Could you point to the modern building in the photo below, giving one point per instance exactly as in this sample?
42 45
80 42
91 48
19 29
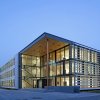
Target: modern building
52 61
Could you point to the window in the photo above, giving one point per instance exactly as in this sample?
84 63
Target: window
52 58
37 61
85 55
51 72
62 54
43 71
54 69
58 81
62 68
88 55
64 81
72 51
76 52
58 69
72 66
66 67
67 52
38 71
45 60
58 56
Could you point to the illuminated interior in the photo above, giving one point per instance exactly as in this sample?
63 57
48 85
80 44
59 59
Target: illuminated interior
52 61
34 64
68 65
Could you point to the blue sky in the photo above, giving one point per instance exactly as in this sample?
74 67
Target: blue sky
22 21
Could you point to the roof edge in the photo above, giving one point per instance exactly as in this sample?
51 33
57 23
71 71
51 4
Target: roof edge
45 34
33 42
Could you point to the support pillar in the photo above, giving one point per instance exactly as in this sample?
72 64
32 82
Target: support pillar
47 63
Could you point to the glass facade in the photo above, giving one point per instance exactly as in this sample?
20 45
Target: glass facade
58 67
35 68
86 67
30 71
7 73
68 66
52 61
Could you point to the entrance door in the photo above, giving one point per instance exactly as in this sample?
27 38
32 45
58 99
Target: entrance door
34 84
58 81
41 83
65 81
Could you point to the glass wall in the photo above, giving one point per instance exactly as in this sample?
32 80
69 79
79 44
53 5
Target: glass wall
35 68
84 54
64 81
56 60
8 83
58 55
67 52
30 70
85 65
58 67
7 65
62 53
7 74
58 81
66 68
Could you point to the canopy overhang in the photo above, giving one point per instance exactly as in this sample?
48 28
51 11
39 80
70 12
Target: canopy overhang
38 46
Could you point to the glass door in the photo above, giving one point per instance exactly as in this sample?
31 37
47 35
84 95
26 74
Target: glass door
58 81
34 84
64 81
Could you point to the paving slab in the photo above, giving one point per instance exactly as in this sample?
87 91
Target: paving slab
41 94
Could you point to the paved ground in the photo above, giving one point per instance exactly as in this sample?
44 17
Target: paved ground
40 94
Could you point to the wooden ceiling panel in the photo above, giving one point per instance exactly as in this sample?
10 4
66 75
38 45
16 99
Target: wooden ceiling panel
39 48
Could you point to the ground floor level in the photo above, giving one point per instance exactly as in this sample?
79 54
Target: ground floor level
68 80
